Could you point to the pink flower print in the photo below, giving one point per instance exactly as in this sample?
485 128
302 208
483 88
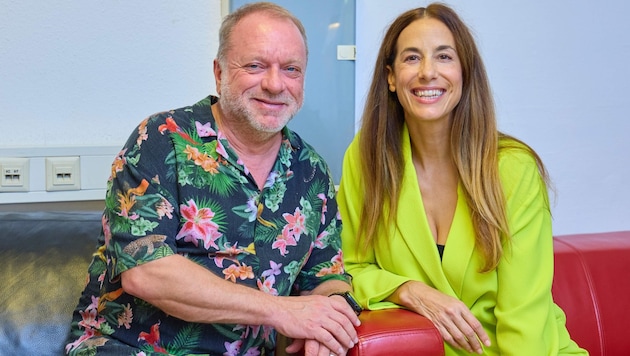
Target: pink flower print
90 319
94 303
284 240
255 329
101 278
228 253
336 268
232 349
218 259
319 241
164 208
267 285
198 225
273 271
88 333
322 196
296 223
338 258
204 130
252 351
267 332
221 150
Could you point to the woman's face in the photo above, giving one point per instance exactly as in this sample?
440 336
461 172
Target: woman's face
426 74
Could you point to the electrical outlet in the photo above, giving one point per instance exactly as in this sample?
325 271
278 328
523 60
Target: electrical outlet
14 176
63 173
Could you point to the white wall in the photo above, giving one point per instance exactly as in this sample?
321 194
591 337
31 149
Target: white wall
77 76
559 71
85 72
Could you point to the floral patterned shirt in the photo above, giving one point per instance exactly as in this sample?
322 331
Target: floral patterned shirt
177 187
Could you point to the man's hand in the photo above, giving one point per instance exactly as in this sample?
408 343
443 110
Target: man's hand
320 324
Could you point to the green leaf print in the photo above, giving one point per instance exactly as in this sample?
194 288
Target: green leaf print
139 227
275 195
185 341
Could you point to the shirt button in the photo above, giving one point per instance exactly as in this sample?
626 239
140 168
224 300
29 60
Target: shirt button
260 243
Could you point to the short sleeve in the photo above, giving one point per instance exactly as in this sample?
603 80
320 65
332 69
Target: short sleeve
141 218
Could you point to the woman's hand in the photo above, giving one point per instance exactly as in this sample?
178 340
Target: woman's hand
457 325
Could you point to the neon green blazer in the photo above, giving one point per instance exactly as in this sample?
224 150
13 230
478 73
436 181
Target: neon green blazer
513 302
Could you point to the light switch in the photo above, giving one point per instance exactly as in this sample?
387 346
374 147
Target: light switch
346 52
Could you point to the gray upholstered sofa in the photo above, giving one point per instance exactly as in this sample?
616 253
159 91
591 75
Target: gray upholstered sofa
43 259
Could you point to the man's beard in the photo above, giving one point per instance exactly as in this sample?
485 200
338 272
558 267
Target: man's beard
235 107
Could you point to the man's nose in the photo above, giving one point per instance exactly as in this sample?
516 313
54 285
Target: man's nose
272 82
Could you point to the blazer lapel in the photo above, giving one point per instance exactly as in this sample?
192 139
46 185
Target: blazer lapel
460 245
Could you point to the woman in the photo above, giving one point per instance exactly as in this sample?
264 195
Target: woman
444 215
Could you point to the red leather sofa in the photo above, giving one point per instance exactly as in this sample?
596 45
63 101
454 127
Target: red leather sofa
591 284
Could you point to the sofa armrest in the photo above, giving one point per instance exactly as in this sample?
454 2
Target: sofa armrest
396 332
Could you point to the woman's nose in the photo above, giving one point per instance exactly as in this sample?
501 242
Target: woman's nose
427 69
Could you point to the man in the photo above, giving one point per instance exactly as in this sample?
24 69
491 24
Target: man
221 225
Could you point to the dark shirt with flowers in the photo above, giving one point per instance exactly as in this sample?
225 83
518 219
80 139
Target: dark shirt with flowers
177 187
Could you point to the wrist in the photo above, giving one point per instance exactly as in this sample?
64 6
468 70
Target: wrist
350 299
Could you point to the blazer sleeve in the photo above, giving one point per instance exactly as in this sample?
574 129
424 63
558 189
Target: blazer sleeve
371 283
525 273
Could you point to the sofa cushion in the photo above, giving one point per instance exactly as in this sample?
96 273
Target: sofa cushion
43 262
396 332
591 284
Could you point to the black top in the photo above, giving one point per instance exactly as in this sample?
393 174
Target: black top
440 250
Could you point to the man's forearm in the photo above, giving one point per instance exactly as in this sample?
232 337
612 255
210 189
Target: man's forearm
192 293
329 287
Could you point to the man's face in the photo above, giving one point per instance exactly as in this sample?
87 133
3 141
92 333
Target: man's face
262 80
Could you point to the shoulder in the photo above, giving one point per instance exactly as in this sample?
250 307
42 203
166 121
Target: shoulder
305 150
183 117
519 170
353 150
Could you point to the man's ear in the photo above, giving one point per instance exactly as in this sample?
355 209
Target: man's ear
217 76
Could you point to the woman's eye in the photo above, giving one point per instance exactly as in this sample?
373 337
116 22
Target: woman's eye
412 58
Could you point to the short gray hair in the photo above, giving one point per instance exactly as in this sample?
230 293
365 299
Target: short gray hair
268 8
